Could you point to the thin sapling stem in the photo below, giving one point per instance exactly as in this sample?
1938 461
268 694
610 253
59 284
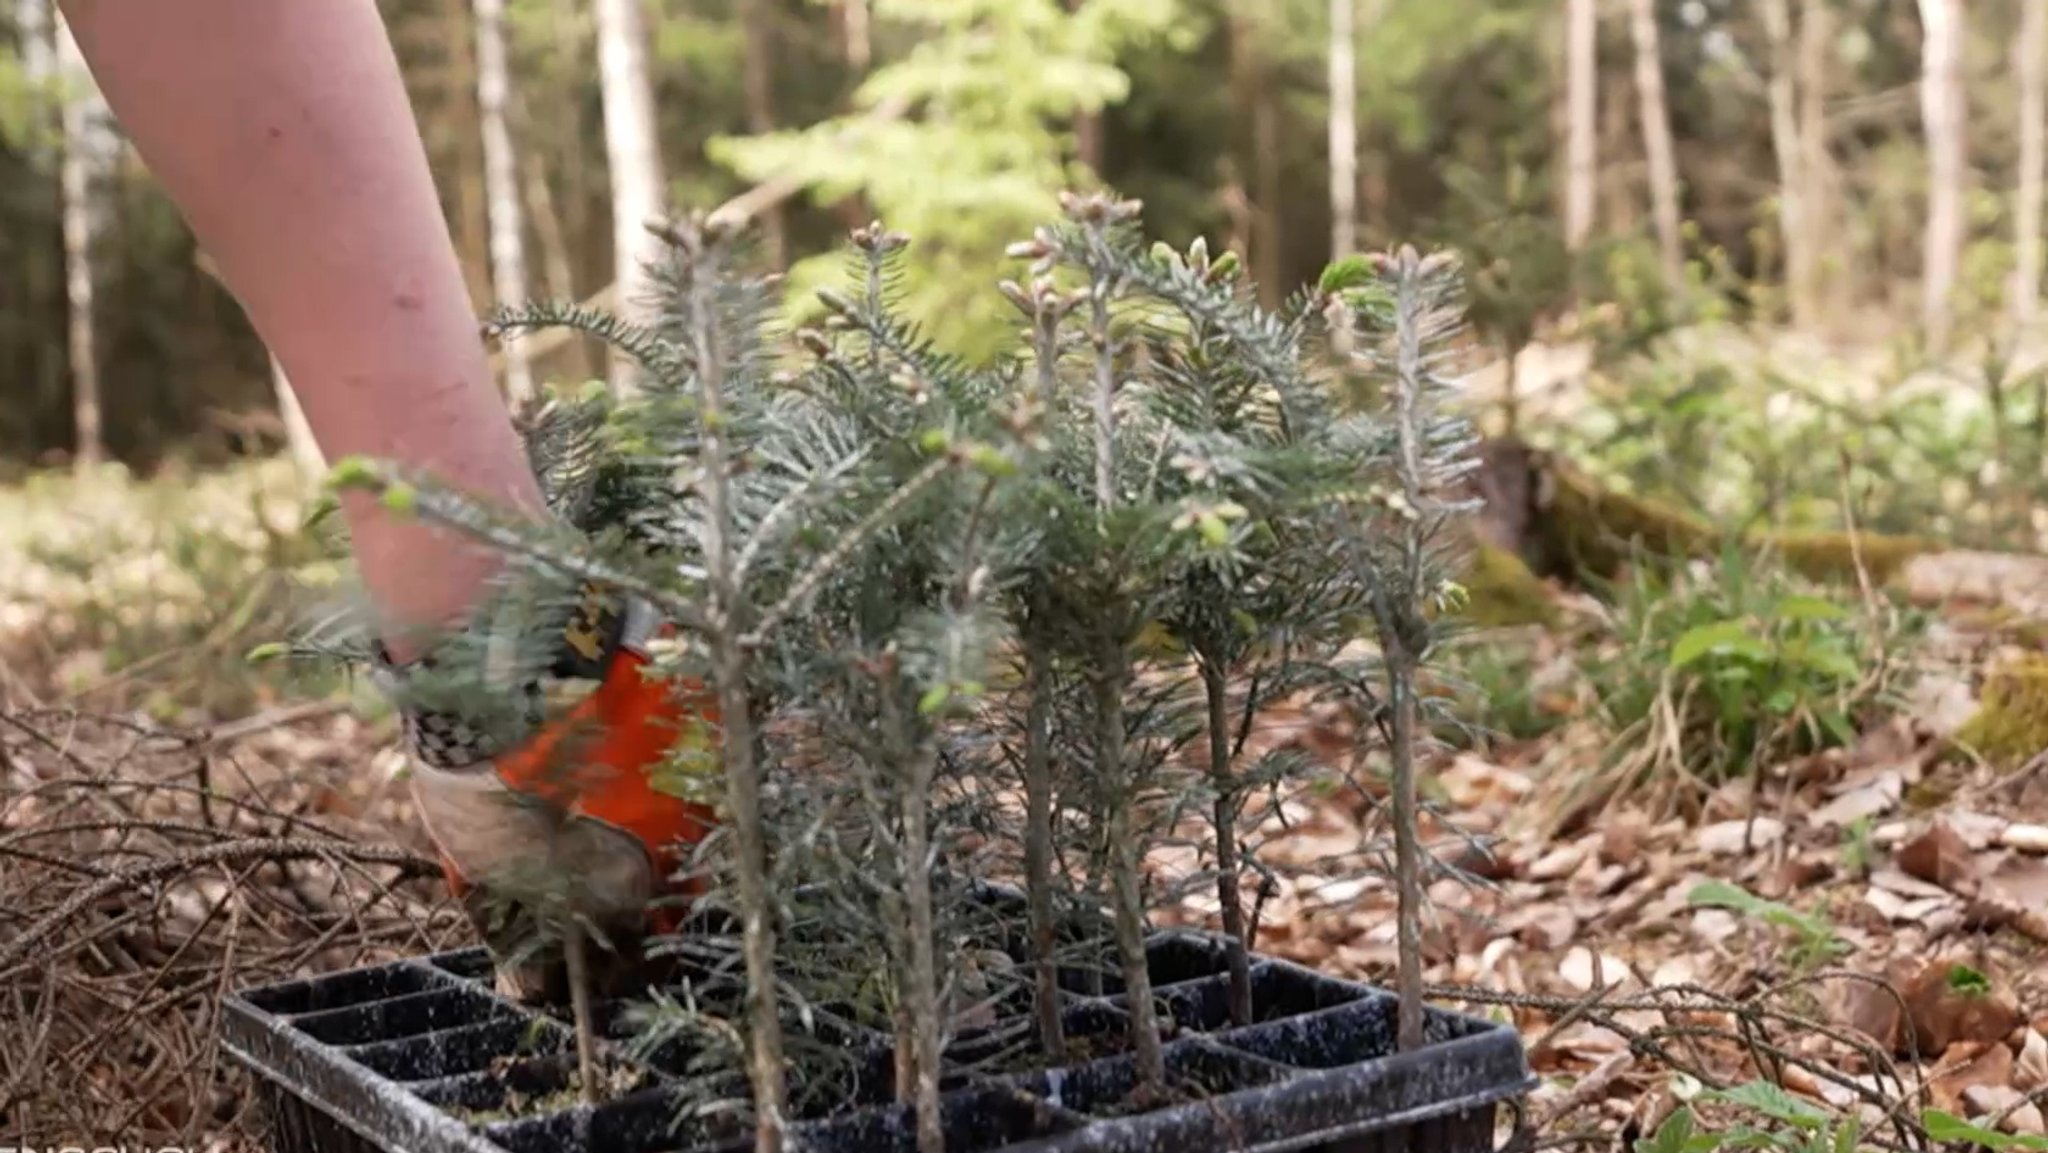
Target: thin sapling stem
1229 892
742 780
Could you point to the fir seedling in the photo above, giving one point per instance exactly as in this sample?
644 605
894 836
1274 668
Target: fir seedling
906 580
1404 542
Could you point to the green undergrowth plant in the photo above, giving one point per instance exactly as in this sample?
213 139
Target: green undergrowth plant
979 628
1760 1115
120 592
1721 670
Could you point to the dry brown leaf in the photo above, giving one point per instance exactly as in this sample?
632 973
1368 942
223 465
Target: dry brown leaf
1942 702
2030 1069
1881 795
1470 782
1725 839
1942 1015
1582 972
1713 926
1876 1011
1679 970
1557 864
1939 855
1547 927
2021 881
1621 839
1587 1042
1892 880
1980 831
2025 838
1983 1100
1903 911
1989 1069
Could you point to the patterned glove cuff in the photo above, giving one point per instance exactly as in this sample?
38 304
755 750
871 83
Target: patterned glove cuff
490 699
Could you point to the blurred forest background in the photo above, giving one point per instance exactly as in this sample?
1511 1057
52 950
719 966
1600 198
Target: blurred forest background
1755 219
1755 278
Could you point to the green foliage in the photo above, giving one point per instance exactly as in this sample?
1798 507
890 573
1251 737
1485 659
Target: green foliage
1947 1127
1741 666
994 85
857 542
148 594
1505 687
1522 273
1813 939
1764 1116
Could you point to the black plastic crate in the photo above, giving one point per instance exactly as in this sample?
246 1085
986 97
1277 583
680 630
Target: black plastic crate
420 1056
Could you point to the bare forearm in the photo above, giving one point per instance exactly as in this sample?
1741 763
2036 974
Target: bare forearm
283 133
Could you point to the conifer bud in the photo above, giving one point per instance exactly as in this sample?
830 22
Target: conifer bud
838 302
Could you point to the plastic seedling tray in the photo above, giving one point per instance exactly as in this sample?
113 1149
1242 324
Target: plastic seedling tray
421 1056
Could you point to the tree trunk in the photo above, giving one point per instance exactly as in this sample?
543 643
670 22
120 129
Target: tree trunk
1087 126
1251 91
32 25
1657 147
857 50
1343 128
759 80
1941 111
1791 178
474 238
633 159
1582 159
85 130
2031 64
855 46
557 269
501 184
1816 162
1617 204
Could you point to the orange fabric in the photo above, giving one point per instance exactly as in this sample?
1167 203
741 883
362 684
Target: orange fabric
597 761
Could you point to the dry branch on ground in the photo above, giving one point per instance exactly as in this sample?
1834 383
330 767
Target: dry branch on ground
146 873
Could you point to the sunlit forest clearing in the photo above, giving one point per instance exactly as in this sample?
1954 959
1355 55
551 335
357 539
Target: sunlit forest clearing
1733 754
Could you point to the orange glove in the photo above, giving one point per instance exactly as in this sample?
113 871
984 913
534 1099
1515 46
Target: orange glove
568 813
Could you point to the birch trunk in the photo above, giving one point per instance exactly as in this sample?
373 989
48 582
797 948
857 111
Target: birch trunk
854 36
86 132
501 184
633 159
2031 65
1655 117
1941 111
1343 127
1816 162
1791 177
1582 156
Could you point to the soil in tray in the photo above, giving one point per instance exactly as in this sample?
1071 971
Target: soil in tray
1195 1072
513 1088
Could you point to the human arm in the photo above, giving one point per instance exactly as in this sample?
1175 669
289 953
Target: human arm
282 132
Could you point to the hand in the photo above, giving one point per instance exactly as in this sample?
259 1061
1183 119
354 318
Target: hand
567 820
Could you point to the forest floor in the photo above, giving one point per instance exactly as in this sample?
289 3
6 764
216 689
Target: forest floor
1865 938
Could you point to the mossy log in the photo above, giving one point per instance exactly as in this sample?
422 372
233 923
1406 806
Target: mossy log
1565 526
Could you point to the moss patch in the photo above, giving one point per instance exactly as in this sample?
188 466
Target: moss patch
1503 592
2012 721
